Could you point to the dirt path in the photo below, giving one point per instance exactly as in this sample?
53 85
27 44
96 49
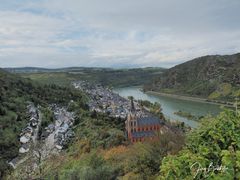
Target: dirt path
35 136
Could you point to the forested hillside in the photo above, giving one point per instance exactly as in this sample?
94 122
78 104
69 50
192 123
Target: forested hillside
15 92
213 77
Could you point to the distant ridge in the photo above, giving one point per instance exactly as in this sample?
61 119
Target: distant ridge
38 69
68 69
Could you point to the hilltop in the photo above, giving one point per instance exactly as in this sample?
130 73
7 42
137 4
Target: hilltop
41 70
214 77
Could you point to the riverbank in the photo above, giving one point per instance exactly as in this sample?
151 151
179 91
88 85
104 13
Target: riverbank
189 98
188 115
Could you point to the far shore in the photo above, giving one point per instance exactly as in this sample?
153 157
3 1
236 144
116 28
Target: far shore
189 98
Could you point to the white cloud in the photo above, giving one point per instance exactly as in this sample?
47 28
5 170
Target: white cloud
60 33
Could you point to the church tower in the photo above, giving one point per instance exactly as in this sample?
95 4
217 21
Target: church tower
131 122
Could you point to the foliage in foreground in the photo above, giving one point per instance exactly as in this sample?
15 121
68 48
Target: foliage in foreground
215 145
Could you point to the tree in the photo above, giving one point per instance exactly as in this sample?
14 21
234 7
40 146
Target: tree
2 111
215 145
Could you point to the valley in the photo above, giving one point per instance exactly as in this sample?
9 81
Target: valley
66 120
119 90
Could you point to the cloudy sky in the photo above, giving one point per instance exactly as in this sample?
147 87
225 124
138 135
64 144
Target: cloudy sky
115 33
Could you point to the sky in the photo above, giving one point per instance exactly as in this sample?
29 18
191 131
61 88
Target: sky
115 33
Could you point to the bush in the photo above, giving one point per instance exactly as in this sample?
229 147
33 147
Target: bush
216 143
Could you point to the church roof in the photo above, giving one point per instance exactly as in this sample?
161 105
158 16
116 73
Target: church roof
141 134
146 121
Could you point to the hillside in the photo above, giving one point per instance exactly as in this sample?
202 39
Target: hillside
213 77
105 76
15 93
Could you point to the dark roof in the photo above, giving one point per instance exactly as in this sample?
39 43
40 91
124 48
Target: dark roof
14 161
143 134
25 146
144 121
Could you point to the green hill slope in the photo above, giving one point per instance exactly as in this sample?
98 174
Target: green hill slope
15 92
213 77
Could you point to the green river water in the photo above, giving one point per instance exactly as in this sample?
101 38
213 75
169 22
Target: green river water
171 105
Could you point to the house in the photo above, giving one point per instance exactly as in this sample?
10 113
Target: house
63 128
50 128
24 148
25 139
14 162
142 127
27 130
33 121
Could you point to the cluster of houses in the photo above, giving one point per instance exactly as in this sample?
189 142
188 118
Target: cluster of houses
62 127
28 132
104 100
56 135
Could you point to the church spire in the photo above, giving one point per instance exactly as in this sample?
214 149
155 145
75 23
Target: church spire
132 104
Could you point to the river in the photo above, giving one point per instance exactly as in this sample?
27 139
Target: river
171 105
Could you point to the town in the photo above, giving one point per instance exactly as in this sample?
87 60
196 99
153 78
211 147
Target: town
104 100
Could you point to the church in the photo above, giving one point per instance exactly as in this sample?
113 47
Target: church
141 127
